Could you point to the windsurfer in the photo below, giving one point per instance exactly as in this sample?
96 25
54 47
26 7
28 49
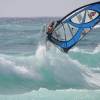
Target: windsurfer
50 29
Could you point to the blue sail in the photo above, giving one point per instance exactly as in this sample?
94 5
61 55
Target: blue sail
74 26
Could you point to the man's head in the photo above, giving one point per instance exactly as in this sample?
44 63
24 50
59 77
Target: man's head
52 24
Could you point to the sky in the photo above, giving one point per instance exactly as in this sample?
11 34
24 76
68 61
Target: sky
39 8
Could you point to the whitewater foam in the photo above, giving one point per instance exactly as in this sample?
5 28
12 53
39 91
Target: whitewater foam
95 51
49 69
97 26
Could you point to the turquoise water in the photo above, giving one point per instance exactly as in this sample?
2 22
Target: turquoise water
29 71
44 94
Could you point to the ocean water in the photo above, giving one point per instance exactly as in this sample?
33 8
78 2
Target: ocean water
30 71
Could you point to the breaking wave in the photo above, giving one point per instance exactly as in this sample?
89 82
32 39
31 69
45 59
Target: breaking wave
49 69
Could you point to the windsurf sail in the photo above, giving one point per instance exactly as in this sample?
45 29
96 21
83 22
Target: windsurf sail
74 26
